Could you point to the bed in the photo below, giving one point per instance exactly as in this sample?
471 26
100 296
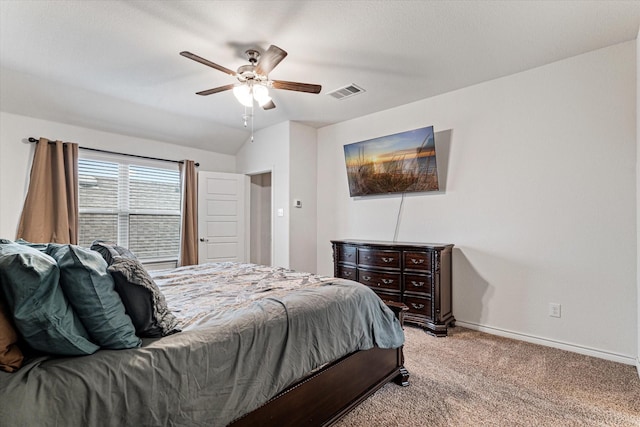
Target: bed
259 346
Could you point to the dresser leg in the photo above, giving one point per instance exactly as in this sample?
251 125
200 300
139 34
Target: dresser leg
403 377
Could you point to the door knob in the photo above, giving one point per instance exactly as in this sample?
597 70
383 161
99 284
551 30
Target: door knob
202 239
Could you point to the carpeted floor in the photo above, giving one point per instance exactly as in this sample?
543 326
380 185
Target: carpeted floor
476 379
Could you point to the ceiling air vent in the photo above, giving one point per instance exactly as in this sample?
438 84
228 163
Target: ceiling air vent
347 91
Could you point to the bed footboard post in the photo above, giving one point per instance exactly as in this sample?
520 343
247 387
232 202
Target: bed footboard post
398 309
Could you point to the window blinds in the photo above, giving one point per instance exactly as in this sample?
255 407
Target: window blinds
135 205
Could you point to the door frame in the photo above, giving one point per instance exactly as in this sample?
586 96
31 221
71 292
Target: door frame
271 216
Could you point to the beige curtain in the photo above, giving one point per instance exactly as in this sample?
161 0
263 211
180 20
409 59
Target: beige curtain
189 229
50 212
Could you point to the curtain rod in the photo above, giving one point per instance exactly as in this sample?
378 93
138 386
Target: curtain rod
31 139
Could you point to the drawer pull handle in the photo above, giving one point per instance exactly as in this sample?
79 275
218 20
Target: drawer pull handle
387 281
366 277
387 260
349 255
417 306
417 261
346 273
417 284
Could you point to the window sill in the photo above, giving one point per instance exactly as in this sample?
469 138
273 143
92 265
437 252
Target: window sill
159 264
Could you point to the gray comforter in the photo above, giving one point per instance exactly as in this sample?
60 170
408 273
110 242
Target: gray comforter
248 332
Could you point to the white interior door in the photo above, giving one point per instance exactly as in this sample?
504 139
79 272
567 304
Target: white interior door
222 217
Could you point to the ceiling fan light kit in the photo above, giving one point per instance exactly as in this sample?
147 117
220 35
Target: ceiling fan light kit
242 93
261 94
245 93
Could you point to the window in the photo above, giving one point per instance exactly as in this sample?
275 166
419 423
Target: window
133 202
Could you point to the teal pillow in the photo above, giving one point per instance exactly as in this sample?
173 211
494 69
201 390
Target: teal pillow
42 314
42 247
91 292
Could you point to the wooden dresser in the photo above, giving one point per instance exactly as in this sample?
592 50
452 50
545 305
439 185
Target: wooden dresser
416 274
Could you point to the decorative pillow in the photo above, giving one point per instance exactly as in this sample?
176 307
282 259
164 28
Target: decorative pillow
42 315
109 250
10 355
142 299
90 291
42 247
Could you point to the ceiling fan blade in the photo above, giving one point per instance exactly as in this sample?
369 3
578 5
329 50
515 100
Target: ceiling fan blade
299 87
215 90
207 63
269 106
270 59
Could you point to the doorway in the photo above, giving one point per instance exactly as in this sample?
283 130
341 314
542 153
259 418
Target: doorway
260 219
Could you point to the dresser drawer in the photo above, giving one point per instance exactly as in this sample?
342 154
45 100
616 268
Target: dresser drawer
418 305
417 283
346 272
347 253
377 280
388 296
379 258
417 261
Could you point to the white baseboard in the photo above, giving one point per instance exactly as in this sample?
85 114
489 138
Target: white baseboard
627 360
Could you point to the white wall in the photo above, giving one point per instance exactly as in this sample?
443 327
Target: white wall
539 198
303 158
269 151
16 155
288 150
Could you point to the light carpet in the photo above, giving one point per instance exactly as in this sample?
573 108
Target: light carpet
472 378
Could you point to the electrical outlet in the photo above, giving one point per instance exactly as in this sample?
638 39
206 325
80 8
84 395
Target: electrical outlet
554 309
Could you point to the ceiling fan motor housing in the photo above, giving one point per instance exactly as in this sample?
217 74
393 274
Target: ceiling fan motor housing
246 72
253 56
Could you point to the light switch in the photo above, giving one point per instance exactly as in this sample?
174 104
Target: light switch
297 203
280 212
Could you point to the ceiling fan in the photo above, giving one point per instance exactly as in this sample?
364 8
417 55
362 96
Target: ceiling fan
254 82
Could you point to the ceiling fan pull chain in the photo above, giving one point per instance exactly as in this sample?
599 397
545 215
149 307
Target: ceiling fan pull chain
246 116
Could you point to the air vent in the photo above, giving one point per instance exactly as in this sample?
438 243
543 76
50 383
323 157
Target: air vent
346 92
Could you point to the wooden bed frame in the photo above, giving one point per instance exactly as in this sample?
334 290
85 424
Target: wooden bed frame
327 395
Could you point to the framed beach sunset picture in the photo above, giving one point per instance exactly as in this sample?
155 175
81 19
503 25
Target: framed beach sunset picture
399 163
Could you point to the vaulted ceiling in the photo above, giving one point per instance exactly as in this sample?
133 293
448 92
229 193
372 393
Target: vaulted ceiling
115 65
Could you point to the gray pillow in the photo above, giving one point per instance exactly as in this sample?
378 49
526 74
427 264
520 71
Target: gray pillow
109 250
90 290
42 314
142 299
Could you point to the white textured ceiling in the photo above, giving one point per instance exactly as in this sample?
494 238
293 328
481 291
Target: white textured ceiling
114 65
